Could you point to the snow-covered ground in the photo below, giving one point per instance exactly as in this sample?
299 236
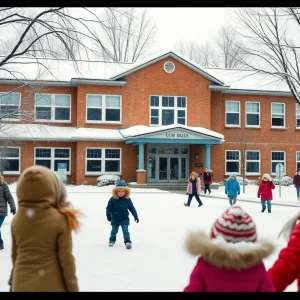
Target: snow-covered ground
157 260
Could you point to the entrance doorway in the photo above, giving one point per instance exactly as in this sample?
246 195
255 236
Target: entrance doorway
166 167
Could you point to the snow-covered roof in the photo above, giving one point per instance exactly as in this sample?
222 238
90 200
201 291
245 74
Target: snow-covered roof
139 130
39 132
65 72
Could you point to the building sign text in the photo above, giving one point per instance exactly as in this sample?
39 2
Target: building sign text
177 135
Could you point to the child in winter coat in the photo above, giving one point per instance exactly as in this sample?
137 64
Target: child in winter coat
232 188
5 198
41 231
286 268
207 178
296 183
117 212
265 192
193 189
231 259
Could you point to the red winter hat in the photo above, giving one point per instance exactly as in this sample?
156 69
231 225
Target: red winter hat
234 225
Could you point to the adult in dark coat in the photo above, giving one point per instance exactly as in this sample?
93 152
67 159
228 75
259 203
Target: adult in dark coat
5 197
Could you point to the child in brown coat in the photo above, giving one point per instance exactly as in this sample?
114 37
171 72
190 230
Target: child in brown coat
42 256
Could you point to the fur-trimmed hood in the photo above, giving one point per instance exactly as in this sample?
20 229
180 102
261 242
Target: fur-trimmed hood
125 188
1 179
219 253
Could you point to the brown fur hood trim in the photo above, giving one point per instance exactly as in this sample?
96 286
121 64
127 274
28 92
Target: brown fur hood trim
125 188
236 256
1 179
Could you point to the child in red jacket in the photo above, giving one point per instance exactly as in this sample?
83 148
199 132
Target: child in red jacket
265 192
231 259
286 268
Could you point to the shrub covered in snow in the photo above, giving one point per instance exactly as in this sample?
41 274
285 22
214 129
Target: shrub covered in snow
285 181
104 180
240 179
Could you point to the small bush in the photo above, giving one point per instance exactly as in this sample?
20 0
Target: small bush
105 180
285 181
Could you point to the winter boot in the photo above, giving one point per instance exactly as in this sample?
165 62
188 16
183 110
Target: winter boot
128 245
1 246
269 211
111 243
185 204
200 204
263 210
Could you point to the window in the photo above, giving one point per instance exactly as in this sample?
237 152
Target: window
252 162
297 160
278 157
10 157
232 161
232 113
10 105
252 114
103 161
103 108
297 115
54 108
278 112
51 157
165 110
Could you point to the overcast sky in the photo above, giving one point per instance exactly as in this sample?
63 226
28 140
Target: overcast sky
187 23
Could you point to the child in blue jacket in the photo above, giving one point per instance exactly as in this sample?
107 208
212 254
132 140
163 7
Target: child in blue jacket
117 212
232 188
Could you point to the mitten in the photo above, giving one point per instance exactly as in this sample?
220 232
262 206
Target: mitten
13 211
136 219
238 193
108 218
258 196
226 192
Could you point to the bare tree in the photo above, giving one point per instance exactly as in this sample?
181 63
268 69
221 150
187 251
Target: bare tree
242 141
271 38
230 49
200 54
127 37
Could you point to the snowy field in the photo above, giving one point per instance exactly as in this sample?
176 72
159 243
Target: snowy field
157 260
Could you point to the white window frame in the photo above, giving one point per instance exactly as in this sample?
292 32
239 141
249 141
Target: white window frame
297 115
259 162
160 108
239 112
13 172
297 161
238 160
284 121
53 106
279 161
252 113
19 106
53 158
103 159
103 107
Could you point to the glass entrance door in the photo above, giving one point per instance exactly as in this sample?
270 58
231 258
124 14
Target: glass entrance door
168 169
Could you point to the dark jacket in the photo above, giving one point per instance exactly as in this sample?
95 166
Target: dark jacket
117 208
296 181
5 197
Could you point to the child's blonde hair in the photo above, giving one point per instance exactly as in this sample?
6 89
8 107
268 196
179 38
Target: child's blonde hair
193 174
289 226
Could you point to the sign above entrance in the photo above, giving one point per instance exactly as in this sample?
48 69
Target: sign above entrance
177 134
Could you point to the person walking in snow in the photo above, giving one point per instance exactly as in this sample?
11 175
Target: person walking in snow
117 212
5 198
286 269
193 189
231 259
232 188
41 231
296 183
265 192
207 178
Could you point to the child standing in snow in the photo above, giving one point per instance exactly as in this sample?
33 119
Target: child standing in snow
193 189
296 183
232 188
117 212
231 259
265 192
